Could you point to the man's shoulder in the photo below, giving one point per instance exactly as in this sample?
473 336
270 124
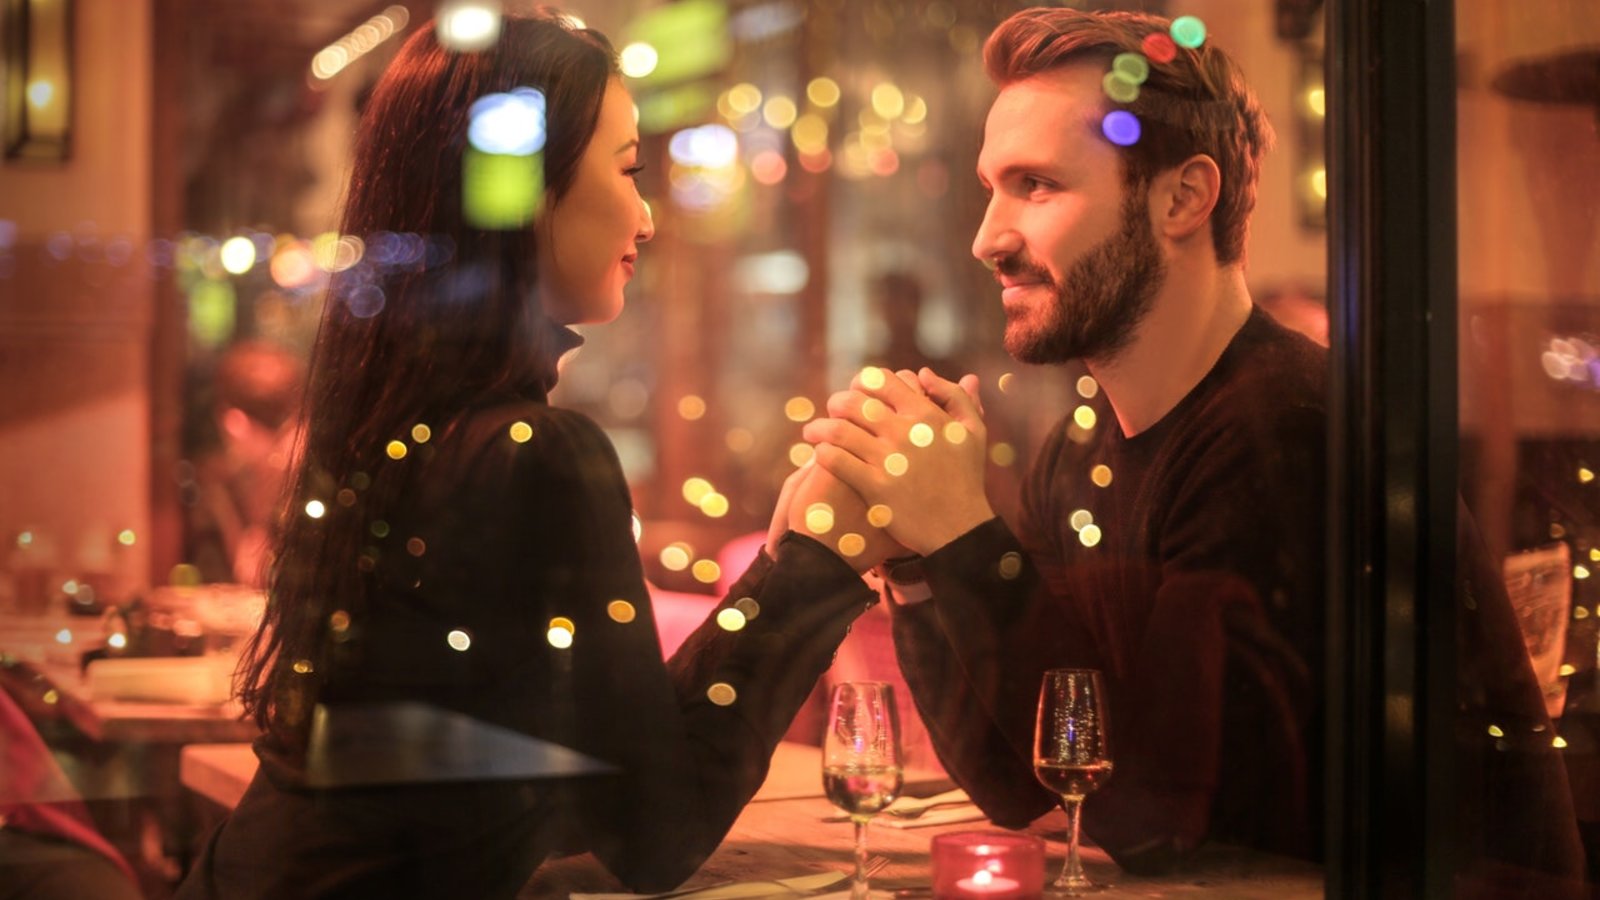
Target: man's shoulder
1278 364
1271 379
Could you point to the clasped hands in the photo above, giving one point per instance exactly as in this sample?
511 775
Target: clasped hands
898 468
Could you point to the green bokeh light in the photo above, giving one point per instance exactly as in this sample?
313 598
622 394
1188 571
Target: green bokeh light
1131 66
213 306
1188 31
500 191
690 38
1119 88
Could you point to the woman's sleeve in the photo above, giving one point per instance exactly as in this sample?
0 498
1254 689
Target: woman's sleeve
691 745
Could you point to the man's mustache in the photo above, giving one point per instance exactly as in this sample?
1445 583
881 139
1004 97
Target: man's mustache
1016 265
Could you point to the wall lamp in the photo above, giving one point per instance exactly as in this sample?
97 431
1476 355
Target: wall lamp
36 42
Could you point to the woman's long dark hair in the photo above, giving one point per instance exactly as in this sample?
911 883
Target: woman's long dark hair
437 314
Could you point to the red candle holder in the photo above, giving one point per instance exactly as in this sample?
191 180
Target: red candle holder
987 865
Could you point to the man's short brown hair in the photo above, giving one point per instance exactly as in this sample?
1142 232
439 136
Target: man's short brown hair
1197 103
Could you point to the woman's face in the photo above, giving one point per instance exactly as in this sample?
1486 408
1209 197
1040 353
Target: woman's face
588 241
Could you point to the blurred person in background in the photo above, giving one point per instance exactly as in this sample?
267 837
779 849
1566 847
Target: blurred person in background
453 541
239 484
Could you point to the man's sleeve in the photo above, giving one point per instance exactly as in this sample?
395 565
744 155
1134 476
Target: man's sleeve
974 655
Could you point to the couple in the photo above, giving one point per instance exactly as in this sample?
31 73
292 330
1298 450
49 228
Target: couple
476 553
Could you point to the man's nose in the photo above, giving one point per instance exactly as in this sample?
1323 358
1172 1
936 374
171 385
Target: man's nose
995 237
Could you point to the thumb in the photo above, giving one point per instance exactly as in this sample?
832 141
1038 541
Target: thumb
780 512
969 383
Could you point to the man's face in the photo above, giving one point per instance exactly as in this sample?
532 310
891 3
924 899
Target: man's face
1075 253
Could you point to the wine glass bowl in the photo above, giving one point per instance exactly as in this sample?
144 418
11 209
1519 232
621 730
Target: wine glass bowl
1072 756
861 761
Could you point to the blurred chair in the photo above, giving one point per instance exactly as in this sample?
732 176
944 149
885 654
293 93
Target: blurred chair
49 847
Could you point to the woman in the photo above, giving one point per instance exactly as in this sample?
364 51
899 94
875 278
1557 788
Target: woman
455 545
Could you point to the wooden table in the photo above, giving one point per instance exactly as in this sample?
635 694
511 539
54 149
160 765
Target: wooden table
33 640
781 833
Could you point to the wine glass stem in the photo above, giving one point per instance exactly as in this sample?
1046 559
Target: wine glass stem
1072 873
858 890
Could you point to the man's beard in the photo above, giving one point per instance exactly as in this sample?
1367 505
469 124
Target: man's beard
1107 294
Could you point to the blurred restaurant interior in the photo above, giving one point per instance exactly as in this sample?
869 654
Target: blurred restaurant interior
169 209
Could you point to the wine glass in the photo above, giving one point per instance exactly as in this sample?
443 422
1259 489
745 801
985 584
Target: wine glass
1072 756
861 759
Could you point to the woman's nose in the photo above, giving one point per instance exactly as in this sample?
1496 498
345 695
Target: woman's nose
647 224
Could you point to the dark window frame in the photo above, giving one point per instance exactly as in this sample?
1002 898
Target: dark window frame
1394 447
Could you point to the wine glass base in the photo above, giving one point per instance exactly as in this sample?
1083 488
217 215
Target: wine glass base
1076 889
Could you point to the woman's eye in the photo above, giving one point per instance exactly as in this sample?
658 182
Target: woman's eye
633 171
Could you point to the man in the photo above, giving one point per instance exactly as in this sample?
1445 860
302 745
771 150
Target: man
1176 545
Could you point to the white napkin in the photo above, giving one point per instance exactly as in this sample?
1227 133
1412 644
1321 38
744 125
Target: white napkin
947 816
741 890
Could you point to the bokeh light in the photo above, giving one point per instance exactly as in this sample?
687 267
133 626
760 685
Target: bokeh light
511 123
819 518
1132 67
638 59
779 112
1121 127
730 619
1188 31
823 91
1159 48
691 407
799 409
1119 88
888 101
468 26
238 255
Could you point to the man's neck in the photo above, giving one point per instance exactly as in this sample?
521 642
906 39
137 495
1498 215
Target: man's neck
1190 323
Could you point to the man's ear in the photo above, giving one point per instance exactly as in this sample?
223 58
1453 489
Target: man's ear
1182 198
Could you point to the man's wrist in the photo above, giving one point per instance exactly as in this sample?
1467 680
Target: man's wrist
961 526
904 580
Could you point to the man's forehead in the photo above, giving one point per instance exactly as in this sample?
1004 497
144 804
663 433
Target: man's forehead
1055 112
1071 93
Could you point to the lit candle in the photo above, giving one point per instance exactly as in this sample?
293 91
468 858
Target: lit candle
978 865
985 883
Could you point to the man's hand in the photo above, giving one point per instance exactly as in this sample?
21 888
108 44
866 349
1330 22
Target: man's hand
916 458
824 508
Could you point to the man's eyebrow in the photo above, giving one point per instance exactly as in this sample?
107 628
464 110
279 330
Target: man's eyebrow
1014 169
627 146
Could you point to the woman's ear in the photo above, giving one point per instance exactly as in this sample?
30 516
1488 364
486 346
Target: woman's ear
1182 198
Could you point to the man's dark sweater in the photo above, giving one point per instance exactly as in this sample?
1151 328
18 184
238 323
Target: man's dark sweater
1193 577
